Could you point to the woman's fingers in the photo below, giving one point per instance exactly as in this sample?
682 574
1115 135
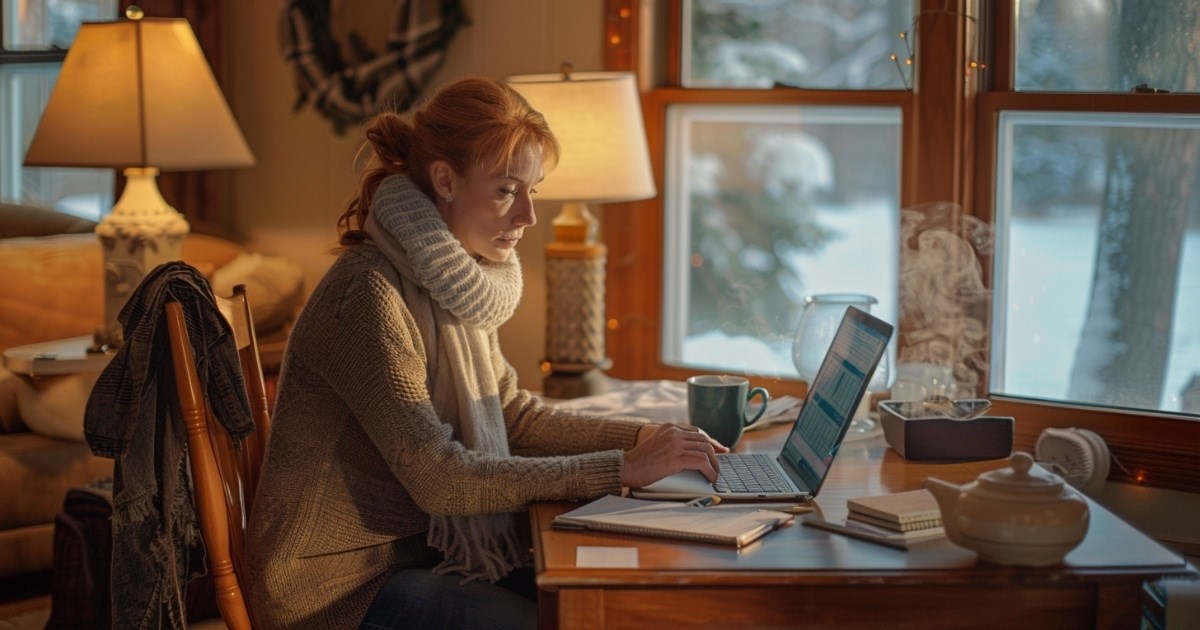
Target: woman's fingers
717 446
668 448
709 447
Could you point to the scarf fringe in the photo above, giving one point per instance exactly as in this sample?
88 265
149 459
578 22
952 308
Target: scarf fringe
482 547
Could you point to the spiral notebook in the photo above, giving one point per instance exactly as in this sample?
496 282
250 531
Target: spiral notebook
670 519
900 511
881 535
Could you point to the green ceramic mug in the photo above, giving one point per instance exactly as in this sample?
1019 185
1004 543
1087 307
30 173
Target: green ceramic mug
717 404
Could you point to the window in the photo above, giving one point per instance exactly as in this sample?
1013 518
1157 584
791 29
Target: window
767 202
1098 291
1097 209
1058 140
35 36
822 45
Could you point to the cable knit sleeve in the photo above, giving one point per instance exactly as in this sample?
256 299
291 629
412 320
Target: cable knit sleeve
370 331
537 429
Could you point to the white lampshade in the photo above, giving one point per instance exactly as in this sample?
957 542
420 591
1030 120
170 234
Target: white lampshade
597 117
137 93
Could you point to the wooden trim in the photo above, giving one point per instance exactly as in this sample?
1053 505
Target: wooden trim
776 96
944 110
31 56
674 52
1091 102
621 27
1157 450
1002 56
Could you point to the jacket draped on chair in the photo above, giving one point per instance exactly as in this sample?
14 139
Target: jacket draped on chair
133 416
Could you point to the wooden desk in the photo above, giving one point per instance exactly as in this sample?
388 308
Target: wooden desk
805 576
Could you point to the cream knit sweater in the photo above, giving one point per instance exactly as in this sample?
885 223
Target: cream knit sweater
358 460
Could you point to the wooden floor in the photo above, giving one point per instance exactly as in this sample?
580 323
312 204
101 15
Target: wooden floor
24 601
25 605
25 614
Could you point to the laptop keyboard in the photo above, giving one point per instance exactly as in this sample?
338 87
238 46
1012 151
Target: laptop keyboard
749 473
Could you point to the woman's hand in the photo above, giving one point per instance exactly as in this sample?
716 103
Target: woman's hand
664 449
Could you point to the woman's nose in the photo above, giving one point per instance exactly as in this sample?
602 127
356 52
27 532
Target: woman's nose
525 215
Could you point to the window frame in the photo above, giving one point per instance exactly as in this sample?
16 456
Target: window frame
949 135
41 57
20 57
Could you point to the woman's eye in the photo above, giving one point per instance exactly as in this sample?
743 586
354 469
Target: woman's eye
509 191
533 191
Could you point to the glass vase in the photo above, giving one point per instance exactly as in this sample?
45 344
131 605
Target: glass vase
819 321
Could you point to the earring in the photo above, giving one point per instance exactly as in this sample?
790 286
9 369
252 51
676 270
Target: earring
449 198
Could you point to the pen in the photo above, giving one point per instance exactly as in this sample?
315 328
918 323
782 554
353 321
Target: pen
704 501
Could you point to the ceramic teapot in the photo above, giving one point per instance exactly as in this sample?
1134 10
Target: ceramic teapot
1022 515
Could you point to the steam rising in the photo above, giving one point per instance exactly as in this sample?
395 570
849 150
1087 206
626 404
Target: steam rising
943 299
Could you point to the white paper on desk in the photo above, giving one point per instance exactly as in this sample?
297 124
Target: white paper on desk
782 409
665 401
606 557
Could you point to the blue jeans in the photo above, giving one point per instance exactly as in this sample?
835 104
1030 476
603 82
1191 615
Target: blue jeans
418 598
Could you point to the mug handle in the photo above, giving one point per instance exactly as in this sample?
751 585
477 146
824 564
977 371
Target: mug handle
766 398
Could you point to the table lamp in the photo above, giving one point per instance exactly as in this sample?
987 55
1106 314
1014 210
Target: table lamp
597 118
137 94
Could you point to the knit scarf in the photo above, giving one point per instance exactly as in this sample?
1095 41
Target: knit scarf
457 303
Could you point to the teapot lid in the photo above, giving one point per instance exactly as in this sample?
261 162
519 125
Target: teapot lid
1022 478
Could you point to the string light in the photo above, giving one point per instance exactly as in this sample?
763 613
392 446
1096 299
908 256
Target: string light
973 66
908 60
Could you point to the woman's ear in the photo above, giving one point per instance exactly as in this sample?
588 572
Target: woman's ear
442 177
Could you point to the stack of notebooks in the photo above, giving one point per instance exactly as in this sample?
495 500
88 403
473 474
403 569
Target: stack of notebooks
898 520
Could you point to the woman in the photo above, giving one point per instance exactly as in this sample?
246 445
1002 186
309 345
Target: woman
400 439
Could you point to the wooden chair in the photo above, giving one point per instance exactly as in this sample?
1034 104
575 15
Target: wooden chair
224 479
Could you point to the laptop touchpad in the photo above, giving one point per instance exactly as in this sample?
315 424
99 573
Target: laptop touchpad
687 481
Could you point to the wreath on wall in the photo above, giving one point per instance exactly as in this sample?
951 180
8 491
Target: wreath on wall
350 89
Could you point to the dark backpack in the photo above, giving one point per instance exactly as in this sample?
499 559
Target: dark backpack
79 584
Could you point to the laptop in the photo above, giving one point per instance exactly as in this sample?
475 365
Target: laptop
800 468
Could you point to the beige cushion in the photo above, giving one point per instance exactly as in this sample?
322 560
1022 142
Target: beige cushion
11 388
53 405
208 253
274 286
51 287
19 220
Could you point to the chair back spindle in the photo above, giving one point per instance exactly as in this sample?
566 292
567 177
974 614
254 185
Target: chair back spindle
224 478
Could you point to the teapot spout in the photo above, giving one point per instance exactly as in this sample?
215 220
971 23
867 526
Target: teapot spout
946 495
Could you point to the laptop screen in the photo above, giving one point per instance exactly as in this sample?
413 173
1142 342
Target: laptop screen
834 395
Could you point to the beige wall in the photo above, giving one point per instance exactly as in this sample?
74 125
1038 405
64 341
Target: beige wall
289 201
